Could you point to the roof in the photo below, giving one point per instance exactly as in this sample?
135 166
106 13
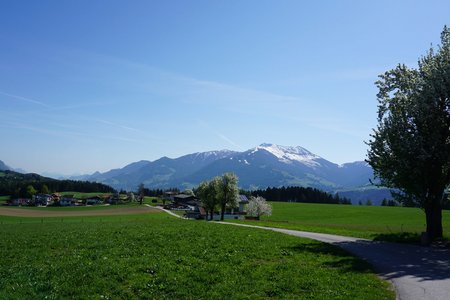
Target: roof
183 196
243 199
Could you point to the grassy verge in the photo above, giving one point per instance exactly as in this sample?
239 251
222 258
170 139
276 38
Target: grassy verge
8 220
4 199
151 201
79 208
372 222
79 195
160 257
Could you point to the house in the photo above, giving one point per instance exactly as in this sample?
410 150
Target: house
243 202
198 213
184 200
94 200
42 200
169 195
114 199
18 202
67 200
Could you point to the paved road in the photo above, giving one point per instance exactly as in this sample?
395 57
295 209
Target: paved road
415 272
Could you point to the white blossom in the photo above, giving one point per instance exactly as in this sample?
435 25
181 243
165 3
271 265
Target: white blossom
258 206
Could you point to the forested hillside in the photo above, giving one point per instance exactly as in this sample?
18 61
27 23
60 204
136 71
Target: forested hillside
300 194
17 184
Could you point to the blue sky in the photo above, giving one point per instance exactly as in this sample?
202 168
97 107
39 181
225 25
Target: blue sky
95 85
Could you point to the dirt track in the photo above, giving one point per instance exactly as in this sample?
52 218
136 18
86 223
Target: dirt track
23 212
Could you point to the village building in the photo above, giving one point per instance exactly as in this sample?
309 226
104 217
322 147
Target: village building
67 200
42 200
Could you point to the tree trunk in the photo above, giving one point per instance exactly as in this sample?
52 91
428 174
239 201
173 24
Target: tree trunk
222 212
433 215
211 214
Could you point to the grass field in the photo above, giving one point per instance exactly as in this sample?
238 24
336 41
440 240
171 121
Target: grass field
21 215
372 222
159 257
79 195
4 199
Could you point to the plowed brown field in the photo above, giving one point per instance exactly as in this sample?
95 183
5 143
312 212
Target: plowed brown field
23 212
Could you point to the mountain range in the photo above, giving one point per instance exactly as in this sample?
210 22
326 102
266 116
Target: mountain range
260 167
267 165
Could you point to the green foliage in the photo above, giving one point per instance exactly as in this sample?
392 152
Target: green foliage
371 222
4 199
227 191
410 149
44 189
207 192
159 257
15 184
299 194
30 191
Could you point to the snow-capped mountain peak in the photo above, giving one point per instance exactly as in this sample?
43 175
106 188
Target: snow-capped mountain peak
289 154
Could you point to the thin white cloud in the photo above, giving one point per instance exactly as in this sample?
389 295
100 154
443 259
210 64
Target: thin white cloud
187 89
235 94
24 99
219 134
69 134
120 126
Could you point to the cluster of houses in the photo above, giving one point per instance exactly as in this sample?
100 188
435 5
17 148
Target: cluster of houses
178 201
194 209
58 200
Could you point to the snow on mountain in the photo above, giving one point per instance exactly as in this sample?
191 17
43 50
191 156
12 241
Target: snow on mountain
259 167
287 154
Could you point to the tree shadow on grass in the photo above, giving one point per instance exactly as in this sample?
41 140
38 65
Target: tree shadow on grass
398 237
390 260
342 258
394 260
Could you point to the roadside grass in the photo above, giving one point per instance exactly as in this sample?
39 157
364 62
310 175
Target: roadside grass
160 257
396 224
82 195
5 220
4 199
81 207
150 201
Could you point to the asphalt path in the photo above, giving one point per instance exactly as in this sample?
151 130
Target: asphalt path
415 272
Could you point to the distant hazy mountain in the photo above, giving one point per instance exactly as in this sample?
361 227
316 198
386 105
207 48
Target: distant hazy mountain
4 167
260 167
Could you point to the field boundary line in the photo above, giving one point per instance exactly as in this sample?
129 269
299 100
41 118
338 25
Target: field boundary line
166 211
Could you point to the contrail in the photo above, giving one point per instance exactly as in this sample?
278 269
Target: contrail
24 99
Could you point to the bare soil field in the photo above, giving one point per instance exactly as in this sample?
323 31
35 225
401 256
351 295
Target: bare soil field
20 212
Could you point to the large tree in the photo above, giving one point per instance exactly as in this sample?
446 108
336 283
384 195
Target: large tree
227 191
141 192
410 148
208 196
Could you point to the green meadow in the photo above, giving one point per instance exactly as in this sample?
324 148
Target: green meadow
156 256
4 199
79 195
373 222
